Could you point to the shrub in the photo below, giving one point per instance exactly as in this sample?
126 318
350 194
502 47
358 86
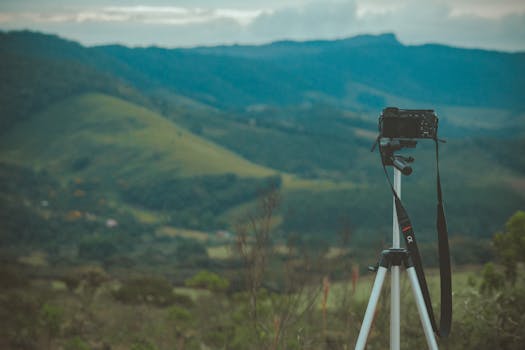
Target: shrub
12 278
76 344
149 290
208 280
96 248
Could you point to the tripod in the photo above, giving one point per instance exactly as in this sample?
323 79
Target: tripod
392 259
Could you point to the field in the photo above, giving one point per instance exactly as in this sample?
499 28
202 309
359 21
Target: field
115 136
95 311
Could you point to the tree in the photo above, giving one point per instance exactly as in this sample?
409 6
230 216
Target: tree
191 252
96 248
208 280
51 317
510 244
492 280
182 322
495 318
278 288
146 289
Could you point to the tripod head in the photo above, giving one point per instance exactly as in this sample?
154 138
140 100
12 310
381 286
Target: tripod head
387 148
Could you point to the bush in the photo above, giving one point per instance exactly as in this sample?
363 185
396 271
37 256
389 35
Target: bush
12 278
142 344
76 344
191 252
19 315
148 290
96 248
196 202
510 245
51 317
208 280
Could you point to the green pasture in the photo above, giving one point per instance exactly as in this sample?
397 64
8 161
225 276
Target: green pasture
464 281
118 137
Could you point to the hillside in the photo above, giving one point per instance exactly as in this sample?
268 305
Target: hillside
362 74
195 133
136 157
377 66
115 137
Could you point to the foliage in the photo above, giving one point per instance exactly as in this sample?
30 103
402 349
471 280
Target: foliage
92 277
182 323
179 315
51 317
39 212
278 293
208 280
492 280
491 322
196 202
145 290
190 252
96 248
76 344
19 315
142 345
11 277
495 318
510 245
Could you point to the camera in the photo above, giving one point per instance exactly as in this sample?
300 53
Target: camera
398 123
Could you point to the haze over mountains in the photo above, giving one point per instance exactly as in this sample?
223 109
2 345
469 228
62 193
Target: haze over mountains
219 122
358 73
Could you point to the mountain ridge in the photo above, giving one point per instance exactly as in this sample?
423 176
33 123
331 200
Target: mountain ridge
436 74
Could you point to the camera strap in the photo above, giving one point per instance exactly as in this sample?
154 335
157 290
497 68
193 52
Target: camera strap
407 230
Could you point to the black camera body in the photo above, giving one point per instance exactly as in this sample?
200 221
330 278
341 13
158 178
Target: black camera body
398 123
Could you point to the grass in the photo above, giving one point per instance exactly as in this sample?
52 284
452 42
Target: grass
169 231
193 293
463 280
121 139
220 252
292 183
35 259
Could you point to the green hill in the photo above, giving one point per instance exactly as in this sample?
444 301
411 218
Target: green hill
136 157
110 136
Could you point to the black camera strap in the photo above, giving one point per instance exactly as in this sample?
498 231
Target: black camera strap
407 230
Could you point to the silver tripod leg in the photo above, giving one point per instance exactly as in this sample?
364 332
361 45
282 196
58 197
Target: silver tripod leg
395 309
371 308
422 309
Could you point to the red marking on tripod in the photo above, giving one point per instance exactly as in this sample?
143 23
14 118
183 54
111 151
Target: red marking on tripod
405 229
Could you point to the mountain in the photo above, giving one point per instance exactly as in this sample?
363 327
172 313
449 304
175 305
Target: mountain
190 136
361 73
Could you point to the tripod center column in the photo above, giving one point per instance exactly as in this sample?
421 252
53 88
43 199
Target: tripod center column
395 294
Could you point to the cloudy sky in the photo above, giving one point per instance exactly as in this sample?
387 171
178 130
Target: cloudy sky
491 24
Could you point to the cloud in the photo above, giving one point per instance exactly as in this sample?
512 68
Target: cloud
315 20
417 23
467 23
414 22
169 15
